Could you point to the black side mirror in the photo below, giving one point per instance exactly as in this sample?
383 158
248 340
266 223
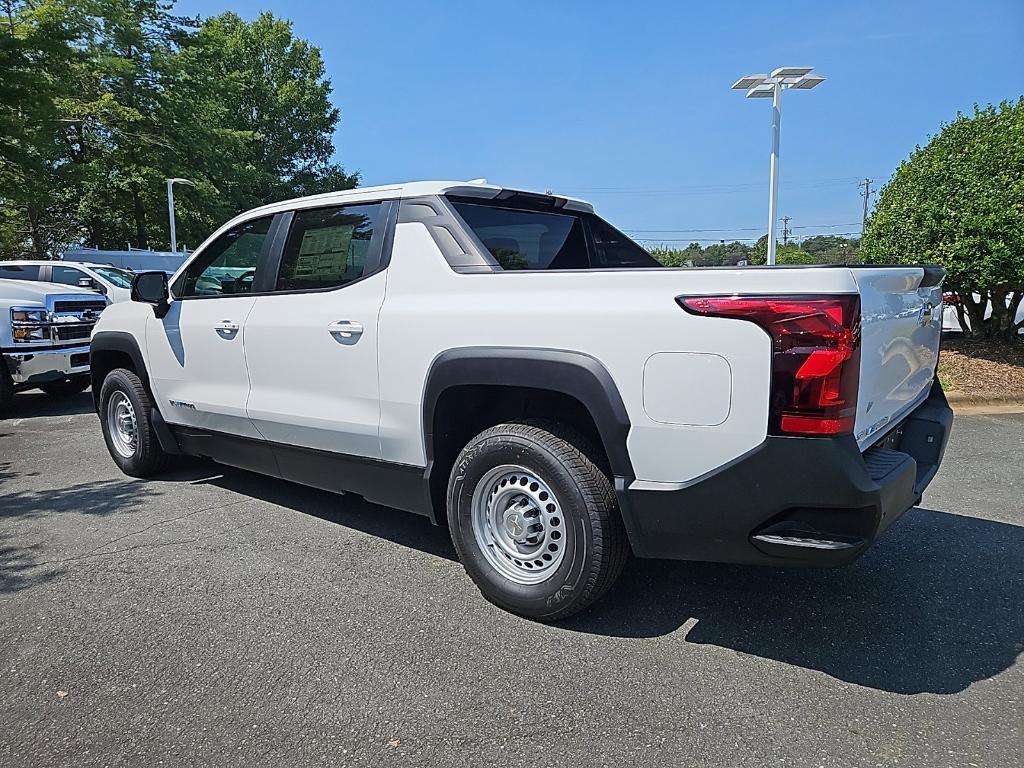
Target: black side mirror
151 288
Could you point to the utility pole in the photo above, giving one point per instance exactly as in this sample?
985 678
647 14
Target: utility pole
785 230
866 194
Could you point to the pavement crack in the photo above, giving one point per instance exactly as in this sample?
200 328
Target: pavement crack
95 551
154 545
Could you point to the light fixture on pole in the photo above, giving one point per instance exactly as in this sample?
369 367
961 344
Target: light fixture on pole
170 208
771 87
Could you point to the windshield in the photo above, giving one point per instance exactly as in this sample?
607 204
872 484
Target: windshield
118 277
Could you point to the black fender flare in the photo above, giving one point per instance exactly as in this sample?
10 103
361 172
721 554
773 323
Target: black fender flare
125 343
119 341
575 374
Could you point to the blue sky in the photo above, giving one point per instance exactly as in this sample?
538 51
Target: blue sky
628 104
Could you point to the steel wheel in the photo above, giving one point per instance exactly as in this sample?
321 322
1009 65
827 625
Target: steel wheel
122 424
518 524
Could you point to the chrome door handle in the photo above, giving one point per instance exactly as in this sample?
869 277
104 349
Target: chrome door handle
345 329
227 326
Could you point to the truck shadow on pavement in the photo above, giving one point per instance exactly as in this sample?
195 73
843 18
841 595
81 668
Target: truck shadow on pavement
33 404
936 605
402 528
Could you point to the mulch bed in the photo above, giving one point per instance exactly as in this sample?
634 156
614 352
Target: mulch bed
982 367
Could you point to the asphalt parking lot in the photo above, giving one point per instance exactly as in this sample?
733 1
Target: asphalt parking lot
216 617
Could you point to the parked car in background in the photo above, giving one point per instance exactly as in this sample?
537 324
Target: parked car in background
112 282
951 320
512 365
135 261
44 337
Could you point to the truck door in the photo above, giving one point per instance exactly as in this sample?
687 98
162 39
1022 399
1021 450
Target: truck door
196 356
311 343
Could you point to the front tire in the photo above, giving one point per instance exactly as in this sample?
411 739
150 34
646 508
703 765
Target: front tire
72 385
534 520
125 408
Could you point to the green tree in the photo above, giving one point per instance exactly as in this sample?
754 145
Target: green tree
123 143
959 201
790 253
677 257
724 254
101 100
832 249
265 96
40 49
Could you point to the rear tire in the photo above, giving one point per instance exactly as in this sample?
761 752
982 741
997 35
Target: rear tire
125 408
72 385
534 520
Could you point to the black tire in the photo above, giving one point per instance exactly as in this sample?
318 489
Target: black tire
72 385
148 458
6 389
596 547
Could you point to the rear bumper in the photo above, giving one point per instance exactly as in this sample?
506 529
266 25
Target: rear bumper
791 501
30 368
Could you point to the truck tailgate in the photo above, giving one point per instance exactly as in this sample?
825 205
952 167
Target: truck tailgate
901 321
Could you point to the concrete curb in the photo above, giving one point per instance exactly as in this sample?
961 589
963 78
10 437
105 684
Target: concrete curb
962 402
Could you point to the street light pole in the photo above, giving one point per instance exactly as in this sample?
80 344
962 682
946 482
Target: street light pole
771 86
170 209
773 185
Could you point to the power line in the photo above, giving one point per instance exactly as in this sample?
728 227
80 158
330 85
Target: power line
722 188
719 240
738 229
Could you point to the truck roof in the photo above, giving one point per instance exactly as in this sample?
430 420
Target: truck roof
474 188
60 262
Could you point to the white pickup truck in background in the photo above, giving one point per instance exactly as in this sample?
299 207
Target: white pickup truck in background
511 365
44 337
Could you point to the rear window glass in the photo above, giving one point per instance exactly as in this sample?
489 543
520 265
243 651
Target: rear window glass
528 239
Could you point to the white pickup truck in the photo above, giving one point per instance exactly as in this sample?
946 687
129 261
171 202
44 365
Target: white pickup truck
510 365
44 337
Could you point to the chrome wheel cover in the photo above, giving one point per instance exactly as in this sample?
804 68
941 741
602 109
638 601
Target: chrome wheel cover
122 425
518 524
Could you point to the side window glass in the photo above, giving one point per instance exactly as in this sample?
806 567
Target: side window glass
614 249
327 247
228 266
66 275
18 272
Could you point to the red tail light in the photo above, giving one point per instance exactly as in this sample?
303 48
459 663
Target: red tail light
815 356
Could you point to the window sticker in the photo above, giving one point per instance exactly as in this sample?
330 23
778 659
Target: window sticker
324 251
